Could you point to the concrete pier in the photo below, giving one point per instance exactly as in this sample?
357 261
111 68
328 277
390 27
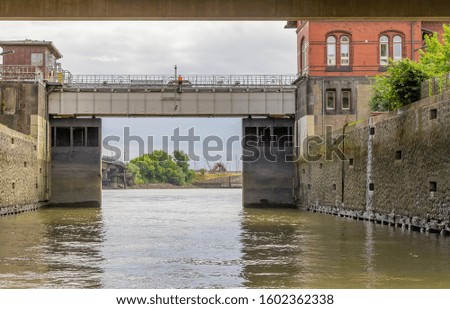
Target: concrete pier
76 162
268 162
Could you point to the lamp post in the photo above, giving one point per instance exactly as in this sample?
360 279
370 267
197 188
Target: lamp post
175 105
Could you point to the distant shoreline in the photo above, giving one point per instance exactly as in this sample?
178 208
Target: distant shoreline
168 186
150 186
216 181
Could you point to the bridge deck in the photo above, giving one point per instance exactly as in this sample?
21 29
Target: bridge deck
149 95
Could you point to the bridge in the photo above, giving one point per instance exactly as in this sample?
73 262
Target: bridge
223 10
77 102
73 105
163 95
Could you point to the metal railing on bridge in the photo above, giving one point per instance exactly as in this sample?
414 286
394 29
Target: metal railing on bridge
20 73
160 81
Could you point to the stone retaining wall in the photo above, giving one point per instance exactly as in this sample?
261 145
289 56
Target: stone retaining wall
404 175
16 209
24 147
21 187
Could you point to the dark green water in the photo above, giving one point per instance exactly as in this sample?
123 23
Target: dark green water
205 239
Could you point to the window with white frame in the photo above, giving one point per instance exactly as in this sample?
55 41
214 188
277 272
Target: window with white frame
397 47
331 50
345 51
330 99
346 99
303 56
384 50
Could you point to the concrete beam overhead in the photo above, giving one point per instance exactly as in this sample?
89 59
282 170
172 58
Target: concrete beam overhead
223 9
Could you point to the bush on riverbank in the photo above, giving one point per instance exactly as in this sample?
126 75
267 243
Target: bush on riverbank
399 86
160 167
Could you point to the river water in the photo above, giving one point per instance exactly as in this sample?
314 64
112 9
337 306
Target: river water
203 238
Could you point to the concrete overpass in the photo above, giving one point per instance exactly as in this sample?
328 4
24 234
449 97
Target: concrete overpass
222 10
149 95
72 143
76 140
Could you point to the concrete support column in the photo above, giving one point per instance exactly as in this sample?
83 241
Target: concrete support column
76 176
268 162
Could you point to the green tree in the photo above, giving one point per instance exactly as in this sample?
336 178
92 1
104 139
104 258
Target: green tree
399 86
182 160
135 170
435 58
160 167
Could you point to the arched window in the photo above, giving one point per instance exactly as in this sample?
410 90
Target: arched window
345 50
331 50
384 50
303 56
397 47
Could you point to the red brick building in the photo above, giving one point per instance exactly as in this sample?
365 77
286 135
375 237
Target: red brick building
337 61
355 48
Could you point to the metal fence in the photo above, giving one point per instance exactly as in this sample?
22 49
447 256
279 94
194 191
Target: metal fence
99 81
435 86
20 73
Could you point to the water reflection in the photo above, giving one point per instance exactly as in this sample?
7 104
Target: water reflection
295 249
369 255
73 243
20 251
52 248
204 239
272 245
172 238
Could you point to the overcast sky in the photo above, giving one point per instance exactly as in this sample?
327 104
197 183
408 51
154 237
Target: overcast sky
155 47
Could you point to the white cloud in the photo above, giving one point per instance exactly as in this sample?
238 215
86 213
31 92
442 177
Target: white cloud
104 59
155 47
